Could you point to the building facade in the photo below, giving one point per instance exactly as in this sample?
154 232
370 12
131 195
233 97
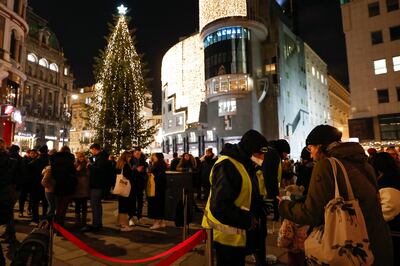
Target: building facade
317 88
46 96
13 30
339 101
372 30
244 70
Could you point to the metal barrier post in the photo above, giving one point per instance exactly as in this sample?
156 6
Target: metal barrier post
185 213
209 247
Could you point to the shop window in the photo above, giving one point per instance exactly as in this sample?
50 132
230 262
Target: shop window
373 9
376 37
389 126
394 33
380 66
383 95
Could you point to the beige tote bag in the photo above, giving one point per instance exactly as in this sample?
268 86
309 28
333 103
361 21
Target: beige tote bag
343 239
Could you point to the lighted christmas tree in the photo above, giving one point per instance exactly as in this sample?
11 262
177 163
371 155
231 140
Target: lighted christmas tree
116 114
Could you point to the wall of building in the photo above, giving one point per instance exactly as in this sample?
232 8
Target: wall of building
372 30
339 100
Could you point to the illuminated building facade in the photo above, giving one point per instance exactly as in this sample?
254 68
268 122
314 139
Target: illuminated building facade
339 100
372 30
46 95
13 30
254 77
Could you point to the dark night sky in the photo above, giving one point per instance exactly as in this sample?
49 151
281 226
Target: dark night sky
81 27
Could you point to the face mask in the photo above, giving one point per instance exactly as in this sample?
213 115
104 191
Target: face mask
256 160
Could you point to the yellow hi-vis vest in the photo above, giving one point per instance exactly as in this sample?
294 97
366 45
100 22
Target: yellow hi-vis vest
222 233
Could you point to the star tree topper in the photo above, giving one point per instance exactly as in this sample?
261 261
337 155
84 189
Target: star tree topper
122 9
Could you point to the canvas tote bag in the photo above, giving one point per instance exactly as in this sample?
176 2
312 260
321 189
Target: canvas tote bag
343 239
122 185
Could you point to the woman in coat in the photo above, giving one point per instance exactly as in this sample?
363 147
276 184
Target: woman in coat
324 141
156 203
125 204
82 190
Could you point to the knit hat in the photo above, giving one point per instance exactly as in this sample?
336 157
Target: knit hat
43 149
305 154
323 134
282 146
252 142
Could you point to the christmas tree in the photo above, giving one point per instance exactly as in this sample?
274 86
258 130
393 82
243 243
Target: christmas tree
119 97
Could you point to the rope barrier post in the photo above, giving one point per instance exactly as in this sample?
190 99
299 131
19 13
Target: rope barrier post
209 247
185 213
51 240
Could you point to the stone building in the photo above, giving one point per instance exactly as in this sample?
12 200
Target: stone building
45 98
13 31
372 30
339 101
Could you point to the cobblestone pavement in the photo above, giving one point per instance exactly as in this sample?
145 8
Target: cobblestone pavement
140 243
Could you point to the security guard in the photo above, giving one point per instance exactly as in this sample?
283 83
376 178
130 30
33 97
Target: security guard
233 206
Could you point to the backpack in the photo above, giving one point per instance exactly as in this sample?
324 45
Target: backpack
34 250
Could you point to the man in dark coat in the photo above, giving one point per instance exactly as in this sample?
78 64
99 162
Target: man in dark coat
207 162
174 162
35 168
139 167
100 171
7 190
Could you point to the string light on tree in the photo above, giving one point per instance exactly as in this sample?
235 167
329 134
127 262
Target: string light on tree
119 97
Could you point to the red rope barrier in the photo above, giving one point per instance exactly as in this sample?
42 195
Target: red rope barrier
175 252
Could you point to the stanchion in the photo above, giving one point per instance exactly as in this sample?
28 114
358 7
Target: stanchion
209 247
185 215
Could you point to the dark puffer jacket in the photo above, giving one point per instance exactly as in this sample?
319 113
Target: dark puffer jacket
363 182
64 173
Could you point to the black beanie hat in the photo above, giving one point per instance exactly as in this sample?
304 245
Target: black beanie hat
252 142
305 154
323 134
282 146
44 149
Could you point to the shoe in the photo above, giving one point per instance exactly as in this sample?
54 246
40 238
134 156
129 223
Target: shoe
33 223
156 225
132 222
126 228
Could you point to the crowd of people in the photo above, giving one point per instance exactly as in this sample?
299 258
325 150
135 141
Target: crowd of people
242 187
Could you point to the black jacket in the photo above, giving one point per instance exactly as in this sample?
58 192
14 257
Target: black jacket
270 169
21 176
100 170
226 186
205 169
6 169
64 173
36 167
139 178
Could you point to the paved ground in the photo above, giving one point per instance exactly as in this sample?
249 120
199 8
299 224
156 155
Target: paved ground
140 243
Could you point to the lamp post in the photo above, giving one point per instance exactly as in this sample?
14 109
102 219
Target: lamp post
66 115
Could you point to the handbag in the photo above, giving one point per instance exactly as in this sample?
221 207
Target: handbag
343 239
122 186
151 186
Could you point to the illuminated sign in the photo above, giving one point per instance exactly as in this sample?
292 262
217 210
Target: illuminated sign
6 110
211 10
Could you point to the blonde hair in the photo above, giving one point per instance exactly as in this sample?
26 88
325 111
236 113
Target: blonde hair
123 159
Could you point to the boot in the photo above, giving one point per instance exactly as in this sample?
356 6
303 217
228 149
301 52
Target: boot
78 219
84 219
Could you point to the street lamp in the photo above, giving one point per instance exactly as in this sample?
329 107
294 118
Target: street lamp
65 117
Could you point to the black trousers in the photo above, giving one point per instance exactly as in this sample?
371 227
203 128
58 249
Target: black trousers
38 196
229 256
137 198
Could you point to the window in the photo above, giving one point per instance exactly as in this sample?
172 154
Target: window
210 135
169 123
394 33
398 93
383 95
28 126
32 58
54 67
169 107
389 126
65 71
192 137
373 9
376 37
392 5
396 63
380 66
313 71
43 62
179 121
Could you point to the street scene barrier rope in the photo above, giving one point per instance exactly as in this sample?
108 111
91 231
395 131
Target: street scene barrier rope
174 253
